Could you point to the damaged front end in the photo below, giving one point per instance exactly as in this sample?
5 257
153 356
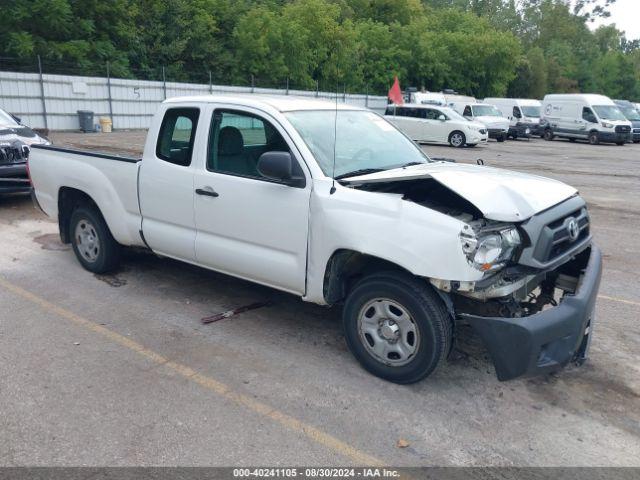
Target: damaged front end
535 313
533 271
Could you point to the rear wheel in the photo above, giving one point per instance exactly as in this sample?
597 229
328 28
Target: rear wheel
92 242
548 135
594 138
397 327
502 138
572 140
619 143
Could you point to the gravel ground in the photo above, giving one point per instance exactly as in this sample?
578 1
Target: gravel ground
101 370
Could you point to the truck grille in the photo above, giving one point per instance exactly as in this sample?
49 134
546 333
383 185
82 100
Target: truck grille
623 129
636 130
556 238
556 233
13 153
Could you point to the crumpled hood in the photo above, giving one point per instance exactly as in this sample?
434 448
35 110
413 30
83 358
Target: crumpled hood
500 195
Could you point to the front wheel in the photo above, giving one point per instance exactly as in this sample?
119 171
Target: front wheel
501 138
594 138
619 143
457 139
92 242
397 327
548 135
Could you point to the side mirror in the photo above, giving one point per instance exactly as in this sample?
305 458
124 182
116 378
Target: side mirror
442 118
278 166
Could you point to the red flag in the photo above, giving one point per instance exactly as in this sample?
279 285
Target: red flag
395 94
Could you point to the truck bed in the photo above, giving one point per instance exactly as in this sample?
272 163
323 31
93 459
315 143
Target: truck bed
111 181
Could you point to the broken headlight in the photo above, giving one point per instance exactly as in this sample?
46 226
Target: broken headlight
489 251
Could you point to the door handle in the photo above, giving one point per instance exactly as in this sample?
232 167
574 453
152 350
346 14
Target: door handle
207 191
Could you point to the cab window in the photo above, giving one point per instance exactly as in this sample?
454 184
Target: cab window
588 115
467 111
236 141
516 112
177 133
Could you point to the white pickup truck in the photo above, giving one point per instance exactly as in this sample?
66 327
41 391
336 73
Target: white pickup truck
334 204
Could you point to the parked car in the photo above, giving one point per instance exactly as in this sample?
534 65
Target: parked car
334 204
15 140
632 114
434 124
488 115
523 115
584 116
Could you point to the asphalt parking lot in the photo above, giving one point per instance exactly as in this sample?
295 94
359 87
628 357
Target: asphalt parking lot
119 369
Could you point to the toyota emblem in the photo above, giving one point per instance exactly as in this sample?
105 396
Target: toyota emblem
573 229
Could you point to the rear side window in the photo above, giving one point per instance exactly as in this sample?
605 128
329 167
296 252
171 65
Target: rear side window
177 133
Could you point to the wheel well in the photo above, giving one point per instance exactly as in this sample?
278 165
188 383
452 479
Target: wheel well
346 267
68 200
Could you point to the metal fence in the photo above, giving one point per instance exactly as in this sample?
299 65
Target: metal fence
51 101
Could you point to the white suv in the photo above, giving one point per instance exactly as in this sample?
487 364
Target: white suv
435 124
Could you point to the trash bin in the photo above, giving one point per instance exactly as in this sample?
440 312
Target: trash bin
105 124
86 120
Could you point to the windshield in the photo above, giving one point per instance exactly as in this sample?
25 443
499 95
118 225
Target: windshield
485 111
531 111
364 141
452 114
631 113
608 112
7 120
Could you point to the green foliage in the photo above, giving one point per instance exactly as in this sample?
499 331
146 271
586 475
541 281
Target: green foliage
523 48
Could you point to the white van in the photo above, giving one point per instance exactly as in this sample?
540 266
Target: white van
428 98
523 115
436 124
595 118
488 115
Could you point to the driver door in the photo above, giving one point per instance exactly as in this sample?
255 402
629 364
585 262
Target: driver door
247 225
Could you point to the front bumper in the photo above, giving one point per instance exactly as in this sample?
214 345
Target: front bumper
14 179
548 340
614 137
523 130
497 133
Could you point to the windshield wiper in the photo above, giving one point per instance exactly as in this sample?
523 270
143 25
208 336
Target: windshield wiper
411 164
356 173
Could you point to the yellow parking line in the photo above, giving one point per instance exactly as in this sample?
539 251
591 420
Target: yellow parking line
619 300
211 384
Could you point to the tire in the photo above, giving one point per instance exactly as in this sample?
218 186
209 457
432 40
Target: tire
457 139
501 138
92 242
594 139
619 143
572 140
423 338
548 135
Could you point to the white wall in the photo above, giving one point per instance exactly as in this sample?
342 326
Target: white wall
133 101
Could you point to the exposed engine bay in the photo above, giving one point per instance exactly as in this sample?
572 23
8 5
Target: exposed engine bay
431 194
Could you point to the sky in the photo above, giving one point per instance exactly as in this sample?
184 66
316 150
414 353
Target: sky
626 15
